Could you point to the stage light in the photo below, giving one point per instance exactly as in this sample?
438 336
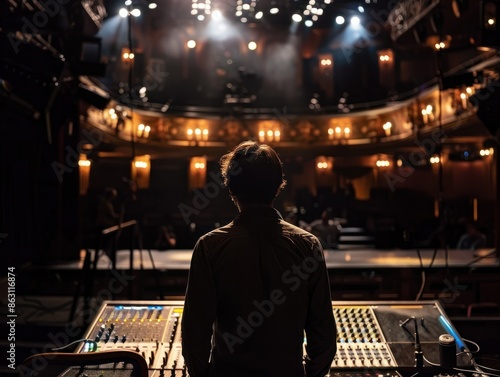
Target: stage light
308 23
252 45
128 2
191 44
217 15
339 20
244 19
152 6
200 17
259 15
274 10
297 17
355 21
123 13
361 9
135 12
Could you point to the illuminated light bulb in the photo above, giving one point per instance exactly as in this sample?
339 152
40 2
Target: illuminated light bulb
190 131
259 15
262 133
270 133
123 13
330 131
205 132
347 131
340 20
338 130
274 10
191 44
252 45
297 17
429 109
84 163
152 6
131 55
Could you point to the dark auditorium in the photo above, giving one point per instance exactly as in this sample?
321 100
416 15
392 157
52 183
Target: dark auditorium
250 188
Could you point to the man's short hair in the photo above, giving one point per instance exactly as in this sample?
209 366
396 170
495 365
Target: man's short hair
253 173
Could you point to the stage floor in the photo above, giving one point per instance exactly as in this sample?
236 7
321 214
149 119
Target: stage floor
335 259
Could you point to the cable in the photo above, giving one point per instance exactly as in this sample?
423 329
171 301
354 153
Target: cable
476 371
473 343
431 363
422 284
76 342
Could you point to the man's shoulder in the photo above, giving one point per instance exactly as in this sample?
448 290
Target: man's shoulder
217 234
294 231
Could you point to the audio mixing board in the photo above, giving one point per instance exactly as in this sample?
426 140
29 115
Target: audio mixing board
371 336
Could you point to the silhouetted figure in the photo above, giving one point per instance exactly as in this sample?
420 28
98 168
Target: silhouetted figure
327 230
257 284
472 239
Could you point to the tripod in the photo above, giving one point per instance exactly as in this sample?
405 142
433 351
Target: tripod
89 268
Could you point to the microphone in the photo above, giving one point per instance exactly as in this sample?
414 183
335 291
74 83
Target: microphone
447 351
419 355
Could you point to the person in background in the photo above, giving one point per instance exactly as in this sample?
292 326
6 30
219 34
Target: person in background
472 239
257 284
327 230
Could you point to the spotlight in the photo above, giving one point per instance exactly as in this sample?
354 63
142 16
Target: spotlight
152 6
361 9
297 17
128 2
339 20
123 12
191 44
274 10
309 23
355 21
259 15
217 15
135 12
252 45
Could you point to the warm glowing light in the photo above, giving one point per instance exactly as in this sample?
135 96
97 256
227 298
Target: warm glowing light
277 134
387 126
399 162
141 127
428 109
382 163
338 130
347 131
199 165
125 55
469 90
491 21
190 132
84 163
330 131
262 134
191 44
197 131
269 133
463 95
141 164
205 132
252 45
434 160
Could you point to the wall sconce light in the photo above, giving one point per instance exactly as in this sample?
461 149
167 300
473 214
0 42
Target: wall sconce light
270 135
84 171
427 114
141 168
435 159
387 128
382 163
197 134
324 164
143 131
339 133
197 172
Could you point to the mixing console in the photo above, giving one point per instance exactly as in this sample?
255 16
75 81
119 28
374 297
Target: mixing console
371 336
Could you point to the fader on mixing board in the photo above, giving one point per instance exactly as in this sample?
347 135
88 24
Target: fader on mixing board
370 337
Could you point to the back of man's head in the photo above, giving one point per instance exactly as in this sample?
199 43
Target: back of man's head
253 173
